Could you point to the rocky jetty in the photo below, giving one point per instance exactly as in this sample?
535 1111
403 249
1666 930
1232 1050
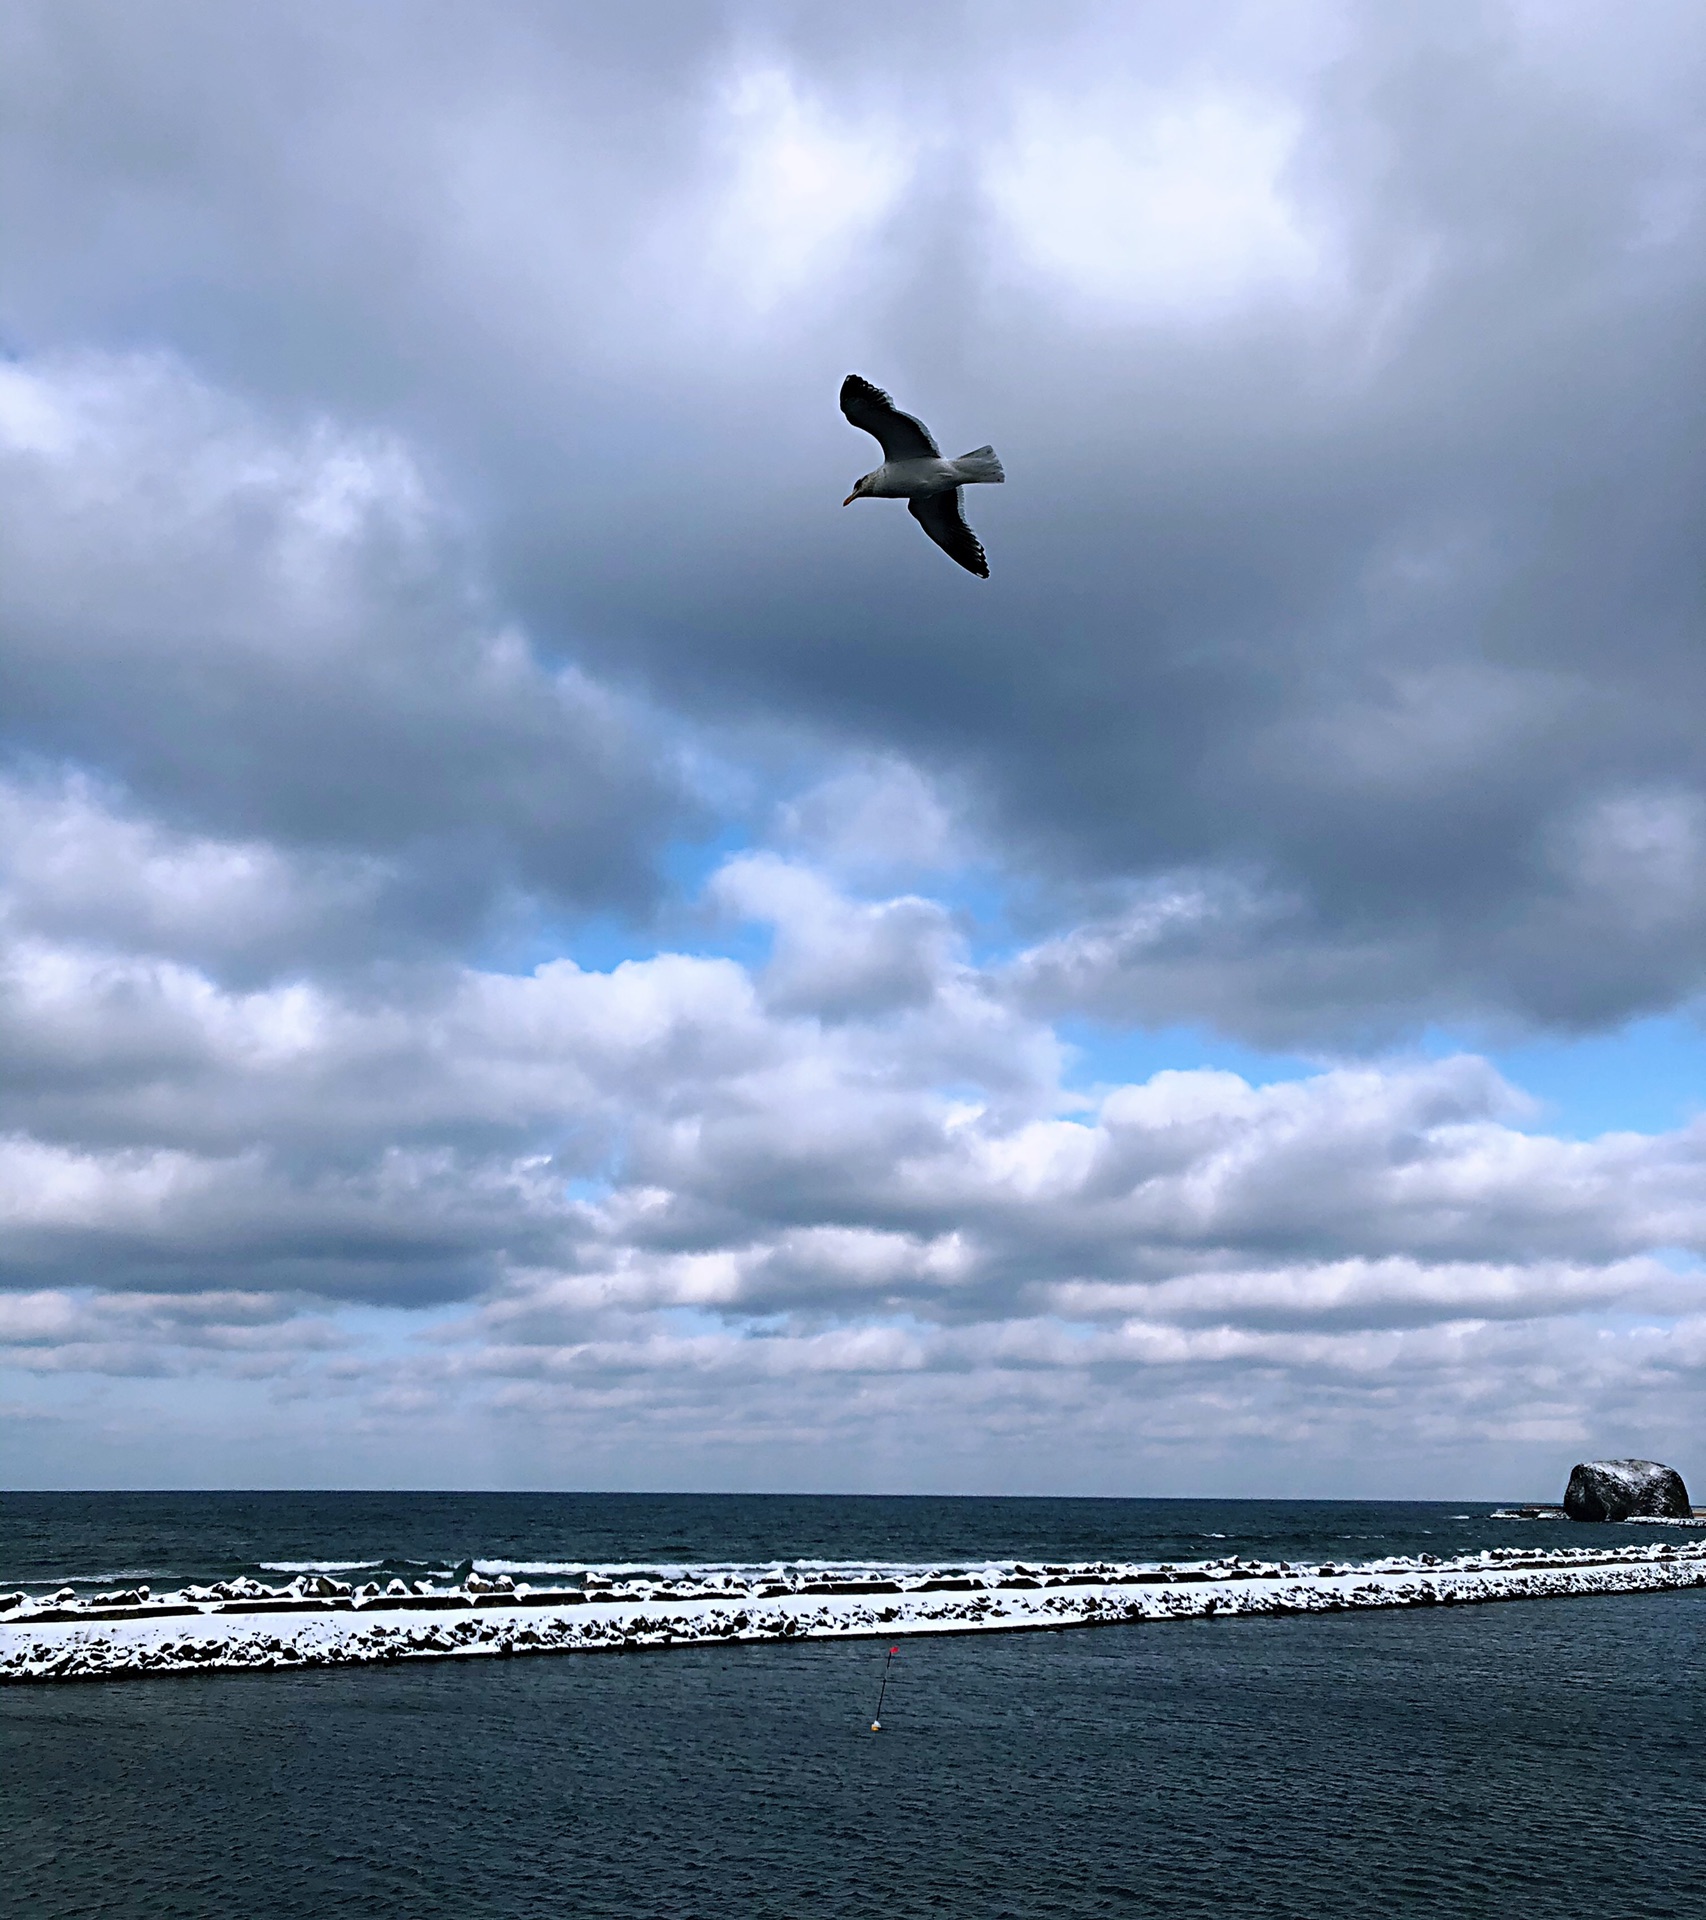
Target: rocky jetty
58 1636
1625 1490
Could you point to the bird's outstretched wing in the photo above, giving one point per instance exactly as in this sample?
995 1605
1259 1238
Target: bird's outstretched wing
871 410
942 516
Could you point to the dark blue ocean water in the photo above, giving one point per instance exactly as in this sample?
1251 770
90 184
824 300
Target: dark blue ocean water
166 1538
1540 1758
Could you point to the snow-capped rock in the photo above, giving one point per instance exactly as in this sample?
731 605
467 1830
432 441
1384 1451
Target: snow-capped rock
1625 1490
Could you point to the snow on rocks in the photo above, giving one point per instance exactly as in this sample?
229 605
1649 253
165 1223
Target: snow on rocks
1625 1490
217 1628
322 1586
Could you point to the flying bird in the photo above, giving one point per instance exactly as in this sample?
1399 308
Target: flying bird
913 470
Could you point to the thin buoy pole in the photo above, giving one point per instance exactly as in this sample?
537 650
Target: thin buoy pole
877 1723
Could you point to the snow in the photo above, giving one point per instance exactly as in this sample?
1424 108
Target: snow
244 1624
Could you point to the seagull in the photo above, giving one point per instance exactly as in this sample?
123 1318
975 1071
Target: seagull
913 470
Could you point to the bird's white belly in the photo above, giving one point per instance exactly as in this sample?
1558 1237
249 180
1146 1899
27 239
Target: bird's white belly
903 479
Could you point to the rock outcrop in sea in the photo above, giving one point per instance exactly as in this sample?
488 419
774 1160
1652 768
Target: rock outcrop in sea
1625 1490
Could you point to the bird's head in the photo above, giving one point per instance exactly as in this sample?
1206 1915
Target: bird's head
860 487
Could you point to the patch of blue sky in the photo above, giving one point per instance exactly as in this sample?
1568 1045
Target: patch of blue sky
590 1191
1105 1056
1647 1077
691 1322
391 1332
687 865
982 907
1679 1260
1625 1322
600 942
682 922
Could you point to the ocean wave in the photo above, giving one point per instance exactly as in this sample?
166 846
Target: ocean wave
105 1579
739 1569
319 1566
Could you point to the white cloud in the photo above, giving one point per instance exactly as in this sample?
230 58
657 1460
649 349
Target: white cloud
270 637
76 864
362 650
1172 206
803 1174
786 194
835 957
877 818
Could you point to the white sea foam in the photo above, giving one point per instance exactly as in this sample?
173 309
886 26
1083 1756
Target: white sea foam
317 1566
107 1577
1634 1520
317 1621
737 1569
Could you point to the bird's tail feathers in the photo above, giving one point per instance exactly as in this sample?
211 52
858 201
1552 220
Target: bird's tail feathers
978 466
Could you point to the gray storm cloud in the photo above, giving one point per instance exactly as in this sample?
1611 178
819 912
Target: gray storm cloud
420 581
1350 377
268 636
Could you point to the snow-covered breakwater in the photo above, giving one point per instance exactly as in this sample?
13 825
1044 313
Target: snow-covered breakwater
318 1620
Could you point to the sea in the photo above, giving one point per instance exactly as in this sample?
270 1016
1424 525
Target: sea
1539 1758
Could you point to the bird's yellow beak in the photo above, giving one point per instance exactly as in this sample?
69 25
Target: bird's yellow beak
850 499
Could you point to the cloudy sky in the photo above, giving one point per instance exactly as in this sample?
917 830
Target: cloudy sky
536 950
